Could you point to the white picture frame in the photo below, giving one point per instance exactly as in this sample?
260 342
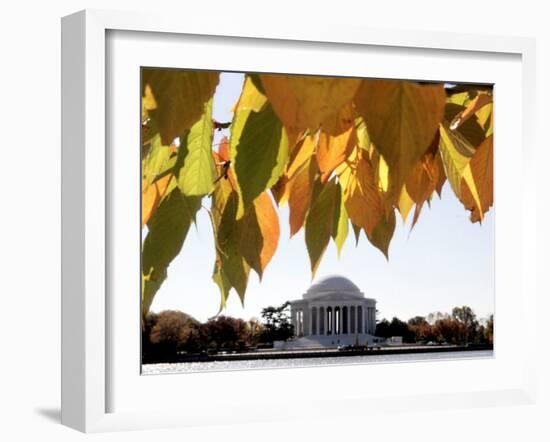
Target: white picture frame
87 355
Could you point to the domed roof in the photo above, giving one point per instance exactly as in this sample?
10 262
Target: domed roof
333 284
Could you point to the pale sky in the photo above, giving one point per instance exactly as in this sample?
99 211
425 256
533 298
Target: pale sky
445 261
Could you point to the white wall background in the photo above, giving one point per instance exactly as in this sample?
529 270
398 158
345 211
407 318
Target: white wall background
30 214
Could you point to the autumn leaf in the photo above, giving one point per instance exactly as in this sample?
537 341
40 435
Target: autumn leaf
336 141
304 102
424 177
402 118
195 168
340 223
481 166
473 106
404 204
176 98
456 153
151 197
230 269
301 154
149 287
361 197
251 98
260 233
156 161
382 234
167 230
300 192
259 152
318 228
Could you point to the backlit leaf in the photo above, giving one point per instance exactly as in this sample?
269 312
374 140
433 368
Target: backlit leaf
301 154
361 197
402 118
481 166
260 233
304 102
456 153
179 97
300 195
259 151
336 141
228 230
404 204
152 195
197 173
167 230
473 106
340 224
319 222
382 234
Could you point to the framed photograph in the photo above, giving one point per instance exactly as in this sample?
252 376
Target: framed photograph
283 211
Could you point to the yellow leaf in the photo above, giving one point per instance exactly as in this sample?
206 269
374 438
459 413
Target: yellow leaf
404 204
151 196
476 104
362 199
251 98
301 154
304 102
402 118
336 141
300 191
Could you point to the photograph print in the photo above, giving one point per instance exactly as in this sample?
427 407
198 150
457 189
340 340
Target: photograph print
299 220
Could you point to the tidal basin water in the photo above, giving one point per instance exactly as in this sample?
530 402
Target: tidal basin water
190 367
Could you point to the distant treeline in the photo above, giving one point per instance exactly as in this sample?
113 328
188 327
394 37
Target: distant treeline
461 326
171 333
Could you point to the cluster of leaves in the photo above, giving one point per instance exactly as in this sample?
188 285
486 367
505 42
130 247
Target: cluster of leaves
340 152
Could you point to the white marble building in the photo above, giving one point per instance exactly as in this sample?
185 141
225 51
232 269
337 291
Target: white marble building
331 313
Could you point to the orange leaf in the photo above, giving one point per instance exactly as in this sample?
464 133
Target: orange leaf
301 188
304 102
260 233
151 197
301 153
362 199
402 119
336 141
481 166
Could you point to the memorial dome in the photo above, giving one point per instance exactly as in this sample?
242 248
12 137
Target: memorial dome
332 284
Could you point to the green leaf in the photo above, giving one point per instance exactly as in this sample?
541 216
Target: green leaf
175 98
258 150
319 223
383 233
156 160
234 268
149 288
340 223
198 172
167 231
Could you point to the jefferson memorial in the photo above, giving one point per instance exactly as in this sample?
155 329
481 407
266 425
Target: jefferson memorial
332 312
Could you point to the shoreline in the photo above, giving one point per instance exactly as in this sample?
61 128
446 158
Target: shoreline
320 353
